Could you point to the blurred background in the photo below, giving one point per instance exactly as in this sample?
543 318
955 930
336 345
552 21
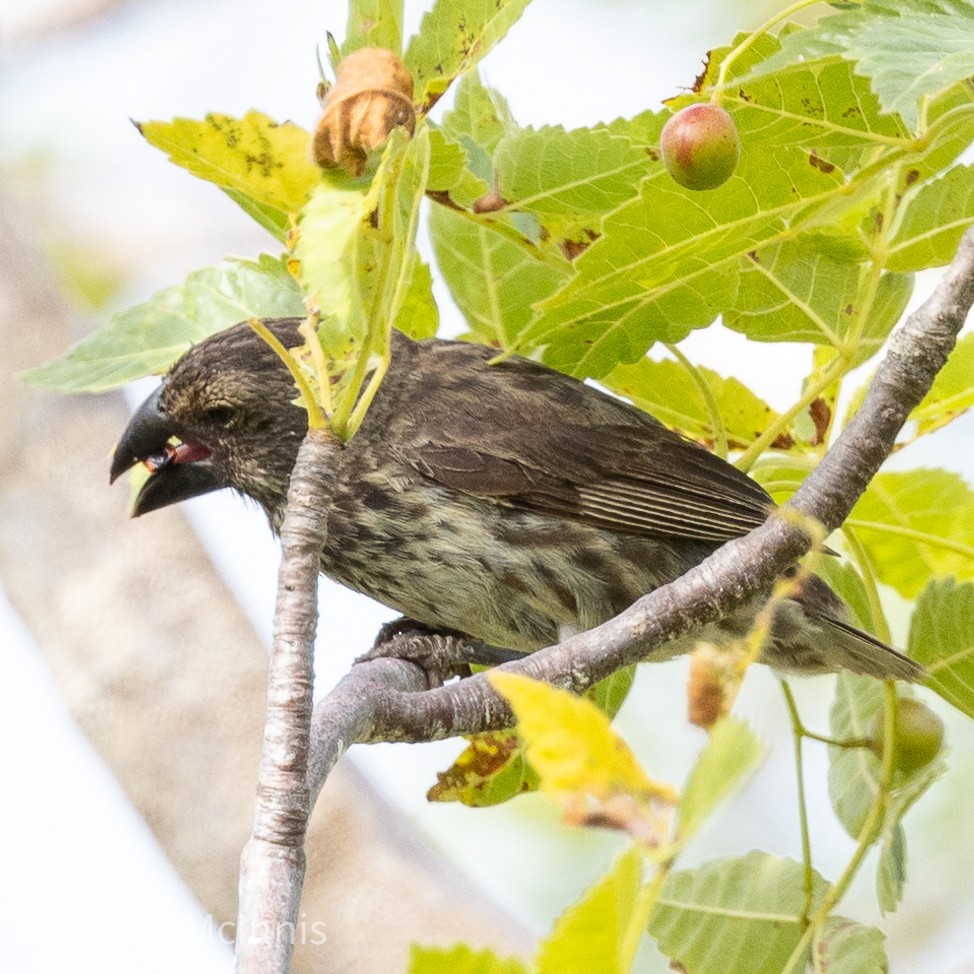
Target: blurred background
131 652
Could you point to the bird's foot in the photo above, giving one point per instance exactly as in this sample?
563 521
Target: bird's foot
445 651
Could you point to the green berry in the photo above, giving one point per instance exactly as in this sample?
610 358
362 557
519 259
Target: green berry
700 146
919 735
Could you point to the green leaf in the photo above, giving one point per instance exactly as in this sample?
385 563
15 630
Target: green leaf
461 959
592 935
262 164
942 639
854 772
669 261
452 38
494 280
908 49
147 339
932 223
789 293
569 180
891 871
669 391
842 946
732 753
373 23
733 914
358 260
479 119
915 526
610 694
952 393
418 316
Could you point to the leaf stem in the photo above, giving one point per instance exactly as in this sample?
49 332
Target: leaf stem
709 400
831 374
316 419
749 41
865 566
798 733
868 835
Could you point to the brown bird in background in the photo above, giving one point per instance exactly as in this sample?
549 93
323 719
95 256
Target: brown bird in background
509 503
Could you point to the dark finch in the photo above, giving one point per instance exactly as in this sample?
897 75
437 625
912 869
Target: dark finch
509 503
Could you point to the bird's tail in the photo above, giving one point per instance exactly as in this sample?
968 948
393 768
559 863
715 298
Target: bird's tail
843 645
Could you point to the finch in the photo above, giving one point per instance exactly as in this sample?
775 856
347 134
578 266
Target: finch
506 502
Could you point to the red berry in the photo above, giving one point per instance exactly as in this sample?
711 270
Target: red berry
700 146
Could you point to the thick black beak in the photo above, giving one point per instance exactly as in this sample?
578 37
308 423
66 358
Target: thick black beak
171 479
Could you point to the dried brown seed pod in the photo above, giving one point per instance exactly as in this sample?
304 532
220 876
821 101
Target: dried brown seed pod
372 95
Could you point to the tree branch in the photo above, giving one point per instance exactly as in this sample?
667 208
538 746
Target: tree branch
273 861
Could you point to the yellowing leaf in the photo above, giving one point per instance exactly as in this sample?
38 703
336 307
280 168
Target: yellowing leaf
461 959
264 165
490 770
581 761
594 934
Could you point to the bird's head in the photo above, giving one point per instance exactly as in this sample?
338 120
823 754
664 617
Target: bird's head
224 416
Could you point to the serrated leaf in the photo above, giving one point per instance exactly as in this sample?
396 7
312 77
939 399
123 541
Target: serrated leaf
891 871
908 49
452 38
461 959
854 773
952 393
942 639
581 761
915 526
147 339
733 914
569 180
669 261
790 294
494 281
592 934
373 23
842 946
479 119
933 221
732 753
668 391
262 164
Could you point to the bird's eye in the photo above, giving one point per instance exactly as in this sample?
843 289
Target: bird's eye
221 415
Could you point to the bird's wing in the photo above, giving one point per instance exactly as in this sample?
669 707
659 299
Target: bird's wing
633 478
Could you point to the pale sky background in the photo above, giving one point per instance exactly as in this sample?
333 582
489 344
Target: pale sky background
65 104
